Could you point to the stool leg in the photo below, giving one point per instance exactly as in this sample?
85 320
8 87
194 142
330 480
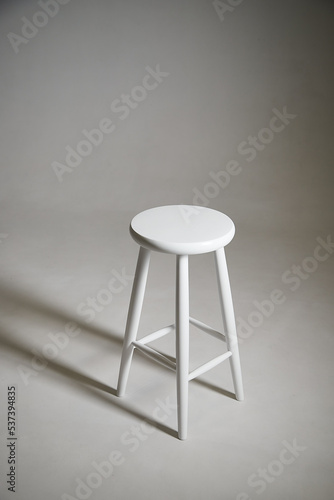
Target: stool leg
136 303
229 321
182 342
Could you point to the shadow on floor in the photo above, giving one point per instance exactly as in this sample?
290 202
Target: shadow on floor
215 388
96 389
85 383
25 302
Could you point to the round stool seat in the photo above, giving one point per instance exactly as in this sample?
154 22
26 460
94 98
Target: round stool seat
182 229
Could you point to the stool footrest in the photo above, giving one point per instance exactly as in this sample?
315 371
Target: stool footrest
168 363
210 364
156 335
157 356
206 328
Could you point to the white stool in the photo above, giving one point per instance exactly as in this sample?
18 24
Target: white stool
181 230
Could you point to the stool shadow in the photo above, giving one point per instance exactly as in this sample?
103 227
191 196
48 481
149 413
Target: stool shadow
215 388
86 384
44 309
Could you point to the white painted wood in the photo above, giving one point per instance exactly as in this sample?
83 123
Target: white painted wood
182 229
136 303
229 321
207 329
210 364
182 342
157 335
157 356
